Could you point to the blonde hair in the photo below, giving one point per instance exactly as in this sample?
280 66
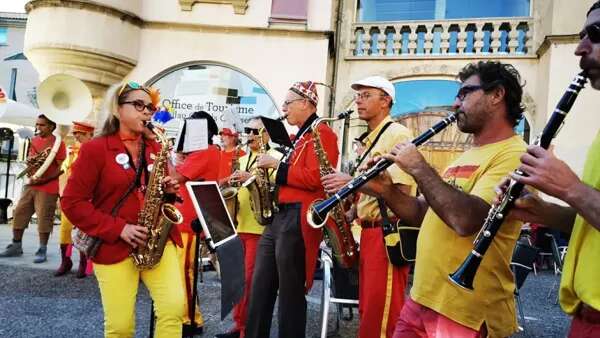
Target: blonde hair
108 116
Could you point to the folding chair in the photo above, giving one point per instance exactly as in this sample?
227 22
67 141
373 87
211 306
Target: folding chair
337 289
521 264
558 256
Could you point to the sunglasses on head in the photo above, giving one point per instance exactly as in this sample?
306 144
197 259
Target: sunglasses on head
592 32
140 105
131 85
252 131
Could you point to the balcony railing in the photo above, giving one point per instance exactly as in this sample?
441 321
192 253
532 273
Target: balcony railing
510 37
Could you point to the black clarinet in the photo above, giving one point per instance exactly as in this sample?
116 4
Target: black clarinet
465 274
318 212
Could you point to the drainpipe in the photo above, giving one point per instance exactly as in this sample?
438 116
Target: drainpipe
336 57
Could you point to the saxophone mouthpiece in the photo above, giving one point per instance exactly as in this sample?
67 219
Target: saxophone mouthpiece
346 114
281 118
149 125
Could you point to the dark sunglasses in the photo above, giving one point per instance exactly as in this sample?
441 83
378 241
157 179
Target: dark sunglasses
139 105
253 131
592 32
466 90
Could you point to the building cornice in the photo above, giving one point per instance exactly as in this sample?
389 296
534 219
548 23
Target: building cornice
549 40
16 20
86 5
295 30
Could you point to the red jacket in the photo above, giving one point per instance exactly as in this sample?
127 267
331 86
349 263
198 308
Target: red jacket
197 166
96 183
303 184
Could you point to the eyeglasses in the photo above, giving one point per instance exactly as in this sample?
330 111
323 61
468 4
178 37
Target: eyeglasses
466 90
592 32
252 131
139 105
288 102
365 96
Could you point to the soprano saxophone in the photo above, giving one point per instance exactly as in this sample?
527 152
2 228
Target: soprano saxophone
156 215
338 231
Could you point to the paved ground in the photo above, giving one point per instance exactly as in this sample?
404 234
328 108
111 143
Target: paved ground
33 303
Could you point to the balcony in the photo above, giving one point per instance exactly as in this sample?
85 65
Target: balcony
448 39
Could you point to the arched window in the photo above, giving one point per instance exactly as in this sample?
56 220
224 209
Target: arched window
416 96
231 96
420 95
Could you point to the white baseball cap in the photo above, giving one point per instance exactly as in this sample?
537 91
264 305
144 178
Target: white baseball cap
376 82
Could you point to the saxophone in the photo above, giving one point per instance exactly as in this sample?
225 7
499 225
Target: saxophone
337 232
230 191
259 186
158 217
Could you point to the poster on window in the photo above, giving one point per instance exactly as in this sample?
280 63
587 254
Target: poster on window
231 97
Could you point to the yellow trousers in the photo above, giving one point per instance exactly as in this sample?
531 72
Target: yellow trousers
65 230
186 259
118 289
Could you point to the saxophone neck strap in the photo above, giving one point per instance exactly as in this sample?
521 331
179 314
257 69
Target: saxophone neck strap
366 153
141 167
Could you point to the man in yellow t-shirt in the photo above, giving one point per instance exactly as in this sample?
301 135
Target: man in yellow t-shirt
580 286
452 209
381 284
248 228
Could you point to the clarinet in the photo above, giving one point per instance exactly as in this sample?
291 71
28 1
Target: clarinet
465 274
318 212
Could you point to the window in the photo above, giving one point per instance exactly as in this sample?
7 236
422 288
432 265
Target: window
405 10
289 10
230 96
3 36
421 95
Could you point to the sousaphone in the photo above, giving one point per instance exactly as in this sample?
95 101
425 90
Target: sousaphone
64 98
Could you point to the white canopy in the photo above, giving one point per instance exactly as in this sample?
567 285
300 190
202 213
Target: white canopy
18 113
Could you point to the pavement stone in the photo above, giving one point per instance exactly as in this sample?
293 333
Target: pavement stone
34 303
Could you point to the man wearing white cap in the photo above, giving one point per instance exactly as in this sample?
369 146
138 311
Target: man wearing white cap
381 284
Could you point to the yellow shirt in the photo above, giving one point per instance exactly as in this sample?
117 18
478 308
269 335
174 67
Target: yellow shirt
367 208
581 271
246 221
440 250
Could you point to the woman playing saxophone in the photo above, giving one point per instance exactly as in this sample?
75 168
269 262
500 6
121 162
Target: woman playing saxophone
104 196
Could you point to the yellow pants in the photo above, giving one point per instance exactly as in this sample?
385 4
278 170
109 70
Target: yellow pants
186 259
118 289
65 230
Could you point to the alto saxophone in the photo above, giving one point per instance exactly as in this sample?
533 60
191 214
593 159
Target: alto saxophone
230 191
156 215
259 186
339 233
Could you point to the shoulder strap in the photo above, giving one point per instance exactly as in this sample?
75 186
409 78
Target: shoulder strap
366 153
138 174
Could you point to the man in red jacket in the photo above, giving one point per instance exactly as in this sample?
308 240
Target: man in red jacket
287 250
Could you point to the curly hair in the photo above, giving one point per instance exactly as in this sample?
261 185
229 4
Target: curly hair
492 75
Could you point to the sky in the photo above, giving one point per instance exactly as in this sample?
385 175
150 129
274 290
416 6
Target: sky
13 6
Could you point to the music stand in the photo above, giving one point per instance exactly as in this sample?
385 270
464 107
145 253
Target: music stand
277 132
221 236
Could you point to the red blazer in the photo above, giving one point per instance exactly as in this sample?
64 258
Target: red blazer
304 185
96 183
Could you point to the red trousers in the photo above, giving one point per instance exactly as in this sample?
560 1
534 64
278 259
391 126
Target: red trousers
586 323
418 321
381 287
240 311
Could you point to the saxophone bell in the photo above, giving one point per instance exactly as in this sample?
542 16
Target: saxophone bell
315 219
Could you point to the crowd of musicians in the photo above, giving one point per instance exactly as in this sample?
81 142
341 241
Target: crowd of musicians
109 177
